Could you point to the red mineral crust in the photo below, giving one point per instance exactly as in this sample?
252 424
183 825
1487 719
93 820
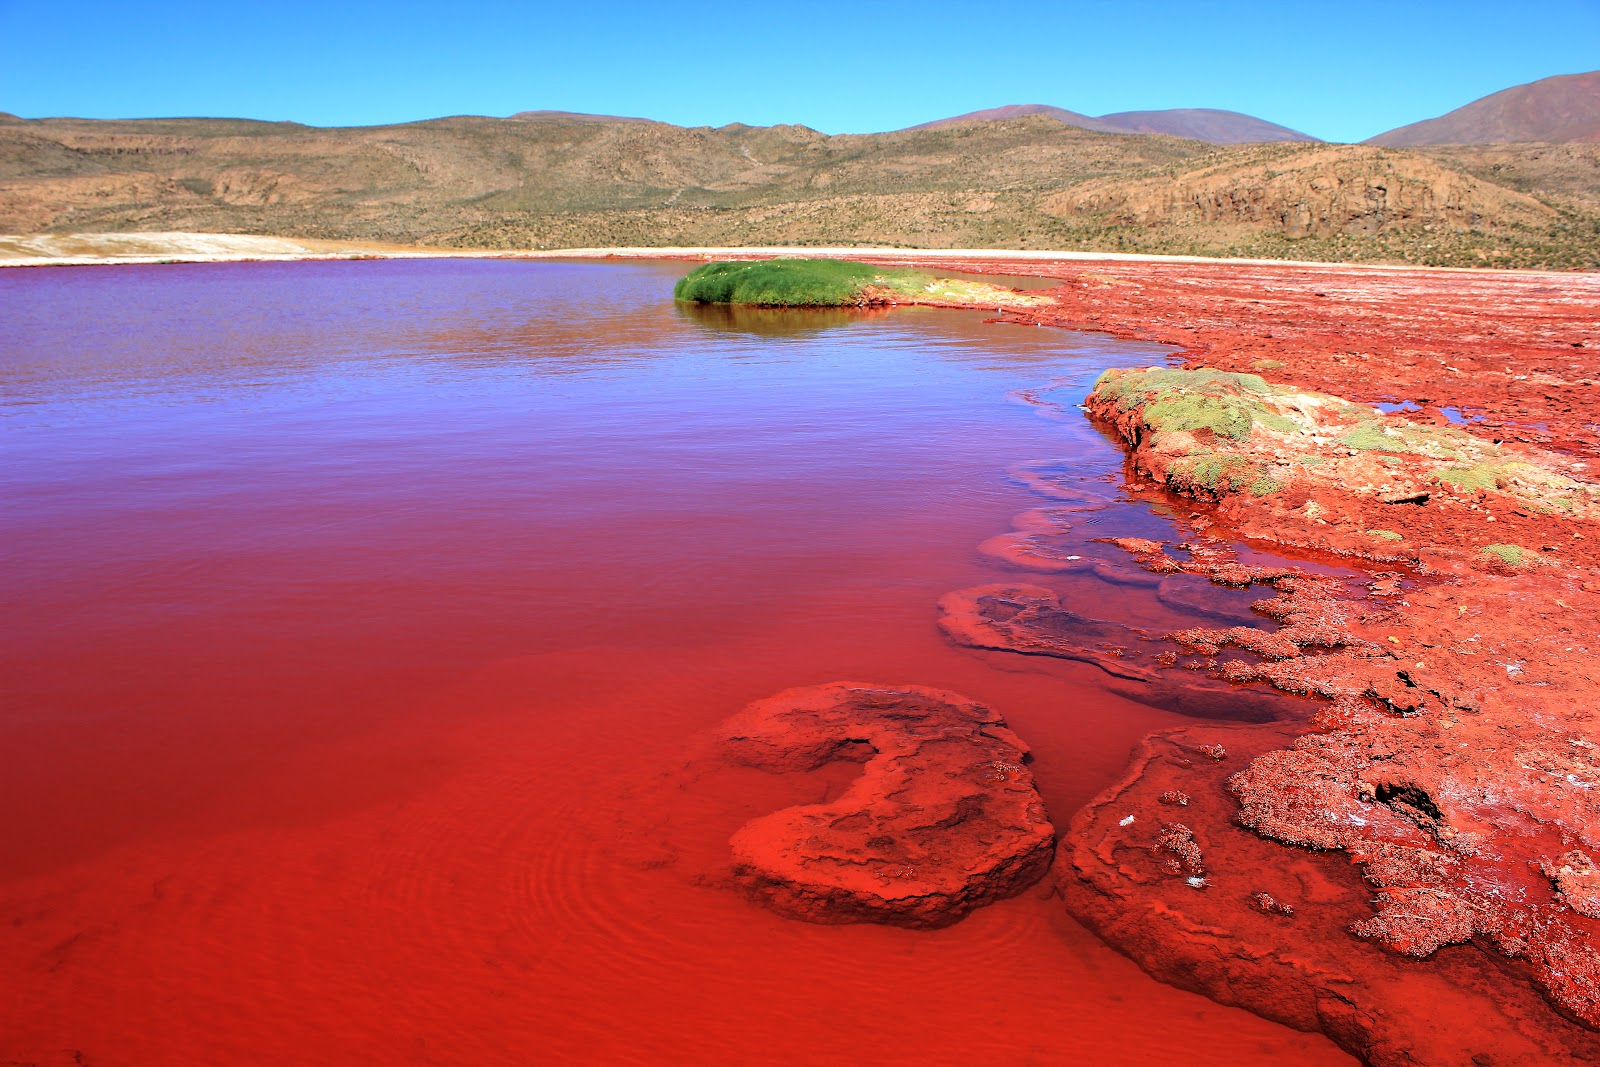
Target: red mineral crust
943 819
1456 763
1206 905
1518 352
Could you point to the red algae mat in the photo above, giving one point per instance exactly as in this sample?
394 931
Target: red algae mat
366 623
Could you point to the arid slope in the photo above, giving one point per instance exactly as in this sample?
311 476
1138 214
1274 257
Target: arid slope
1563 108
543 180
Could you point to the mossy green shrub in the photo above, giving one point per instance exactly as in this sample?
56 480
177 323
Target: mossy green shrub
1480 476
1196 411
1512 555
1369 436
1227 404
1547 491
1217 473
792 283
1265 485
1211 472
1384 535
1440 442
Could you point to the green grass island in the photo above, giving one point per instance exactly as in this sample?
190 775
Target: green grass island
819 283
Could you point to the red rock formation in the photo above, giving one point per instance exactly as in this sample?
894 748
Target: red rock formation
1457 797
943 819
1209 906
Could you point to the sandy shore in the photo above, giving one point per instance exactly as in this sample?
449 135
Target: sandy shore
87 249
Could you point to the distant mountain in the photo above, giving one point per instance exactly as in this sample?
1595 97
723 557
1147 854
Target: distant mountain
573 116
1205 124
1198 124
1017 111
1563 108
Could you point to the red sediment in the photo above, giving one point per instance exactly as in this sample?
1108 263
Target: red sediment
1057 481
1459 771
1036 543
1041 540
943 819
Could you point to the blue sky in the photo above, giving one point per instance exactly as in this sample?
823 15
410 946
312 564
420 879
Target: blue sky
1341 72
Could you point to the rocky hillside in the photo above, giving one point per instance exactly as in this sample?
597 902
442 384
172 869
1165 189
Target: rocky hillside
1315 191
555 180
1563 108
1017 111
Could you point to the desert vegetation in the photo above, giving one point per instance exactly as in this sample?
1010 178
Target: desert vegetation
796 283
552 181
817 283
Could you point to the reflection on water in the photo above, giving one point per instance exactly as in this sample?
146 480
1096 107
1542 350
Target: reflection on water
360 614
774 322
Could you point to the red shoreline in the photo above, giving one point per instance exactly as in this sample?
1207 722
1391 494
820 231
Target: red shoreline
1515 360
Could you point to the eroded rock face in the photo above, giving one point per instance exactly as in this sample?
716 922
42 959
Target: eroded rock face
1325 189
944 818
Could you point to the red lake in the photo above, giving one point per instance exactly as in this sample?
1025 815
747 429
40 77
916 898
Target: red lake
362 620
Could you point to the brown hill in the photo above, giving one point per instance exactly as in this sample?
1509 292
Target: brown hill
1028 182
572 116
1205 124
1563 108
1312 191
426 180
1563 175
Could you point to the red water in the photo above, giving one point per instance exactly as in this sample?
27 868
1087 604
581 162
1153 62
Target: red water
361 620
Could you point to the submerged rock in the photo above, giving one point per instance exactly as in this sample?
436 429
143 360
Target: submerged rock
943 819
1029 619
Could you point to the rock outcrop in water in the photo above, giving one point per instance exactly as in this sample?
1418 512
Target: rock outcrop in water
1159 867
943 819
